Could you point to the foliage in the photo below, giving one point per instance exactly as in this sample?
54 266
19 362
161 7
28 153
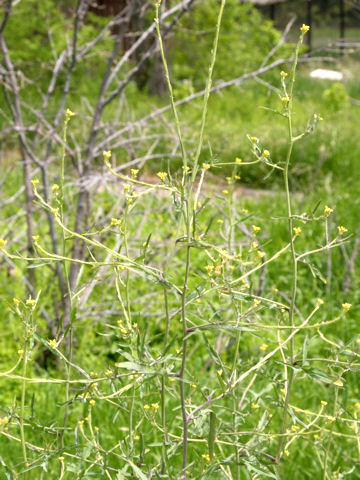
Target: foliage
191 253
245 40
336 97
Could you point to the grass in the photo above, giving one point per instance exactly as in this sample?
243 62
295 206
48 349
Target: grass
119 330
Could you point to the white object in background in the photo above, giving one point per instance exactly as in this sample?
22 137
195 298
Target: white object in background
327 74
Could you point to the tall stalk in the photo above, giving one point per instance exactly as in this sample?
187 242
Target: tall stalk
68 301
288 102
189 201
23 395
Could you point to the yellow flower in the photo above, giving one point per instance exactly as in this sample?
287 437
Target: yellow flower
134 172
61 459
287 453
146 407
319 302
172 379
206 166
294 428
69 113
155 407
52 342
2 242
304 29
357 405
4 421
238 160
35 238
20 353
225 192
193 385
30 302
263 347
107 154
220 221
285 100
328 211
162 175
316 436
115 222
256 302
254 405
283 74
137 437
92 374
346 306
35 181
92 402
323 403
206 457
55 188
338 383
260 254
255 230
342 230
254 139
266 153
297 230
108 372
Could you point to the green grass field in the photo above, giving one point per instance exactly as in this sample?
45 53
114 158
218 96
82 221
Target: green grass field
108 404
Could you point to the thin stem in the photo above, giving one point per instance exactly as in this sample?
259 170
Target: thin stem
290 372
207 93
183 360
163 402
128 316
23 395
68 301
168 81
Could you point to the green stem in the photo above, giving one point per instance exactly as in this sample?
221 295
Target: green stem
163 403
183 361
128 310
290 380
325 474
68 302
168 81
22 407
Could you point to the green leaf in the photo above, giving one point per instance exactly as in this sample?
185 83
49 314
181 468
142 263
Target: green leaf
212 434
139 474
134 367
319 375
